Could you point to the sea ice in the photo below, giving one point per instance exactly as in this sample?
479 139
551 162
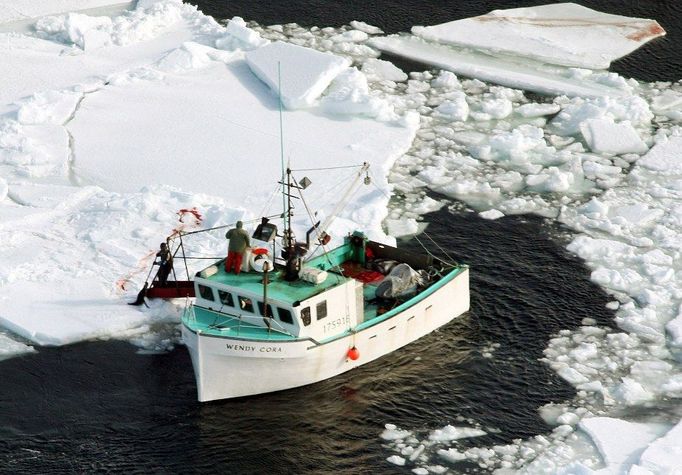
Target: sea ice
566 34
605 136
94 245
10 347
16 10
380 70
663 455
449 433
621 451
306 73
664 157
497 70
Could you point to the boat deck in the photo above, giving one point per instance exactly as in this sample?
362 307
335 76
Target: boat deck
278 288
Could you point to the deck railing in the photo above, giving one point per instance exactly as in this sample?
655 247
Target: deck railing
234 322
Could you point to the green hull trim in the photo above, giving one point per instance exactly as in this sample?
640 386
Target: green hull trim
212 323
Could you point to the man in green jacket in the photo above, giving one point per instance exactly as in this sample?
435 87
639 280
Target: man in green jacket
239 241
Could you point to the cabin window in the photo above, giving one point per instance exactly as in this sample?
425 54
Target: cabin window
246 304
206 292
321 310
226 298
305 316
285 315
261 309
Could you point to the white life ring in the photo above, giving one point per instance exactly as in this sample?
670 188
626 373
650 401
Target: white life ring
259 257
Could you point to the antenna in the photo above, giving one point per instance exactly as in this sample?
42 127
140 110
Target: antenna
285 211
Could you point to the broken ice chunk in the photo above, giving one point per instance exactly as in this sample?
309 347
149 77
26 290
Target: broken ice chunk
305 73
566 34
603 135
664 157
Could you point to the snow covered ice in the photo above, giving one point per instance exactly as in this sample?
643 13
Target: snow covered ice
104 190
113 127
567 34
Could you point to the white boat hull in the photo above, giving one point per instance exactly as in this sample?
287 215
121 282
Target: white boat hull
229 367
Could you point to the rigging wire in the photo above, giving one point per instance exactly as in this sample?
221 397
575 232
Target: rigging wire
451 261
325 168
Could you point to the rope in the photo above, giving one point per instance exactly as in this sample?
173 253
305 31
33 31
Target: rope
451 261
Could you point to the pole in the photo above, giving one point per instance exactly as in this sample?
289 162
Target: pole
266 268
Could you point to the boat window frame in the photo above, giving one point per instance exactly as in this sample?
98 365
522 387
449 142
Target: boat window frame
306 316
286 311
202 293
230 302
242 304
322 304
261 307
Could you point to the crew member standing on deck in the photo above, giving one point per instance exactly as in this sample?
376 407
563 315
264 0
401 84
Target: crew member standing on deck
239 241
165 262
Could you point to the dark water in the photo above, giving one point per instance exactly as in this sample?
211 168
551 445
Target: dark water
658 60
99 405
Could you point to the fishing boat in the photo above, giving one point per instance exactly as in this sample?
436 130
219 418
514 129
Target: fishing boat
290 320
300 312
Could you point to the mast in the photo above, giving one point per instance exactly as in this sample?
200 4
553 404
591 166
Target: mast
286 206
290 249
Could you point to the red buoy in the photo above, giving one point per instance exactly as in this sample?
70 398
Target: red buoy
353 354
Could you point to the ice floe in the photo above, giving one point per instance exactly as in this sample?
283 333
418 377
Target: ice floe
620 443
17 10
107 181
108 126
565 33
307 73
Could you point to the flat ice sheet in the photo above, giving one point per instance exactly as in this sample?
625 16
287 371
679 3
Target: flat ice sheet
216 132
486 68
620 442
663 455
15 10
305 74
604 136
664 157
210 130
565 34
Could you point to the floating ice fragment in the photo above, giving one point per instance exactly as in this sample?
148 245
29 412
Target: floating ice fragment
572 375
10 347
537 110
496 70
392 432
620 452
455 108
603 135
449 433
380 70
566 34
451 455
239 36
491 214
305 73
352 36
396 460
665 156
369 29
348 94
446 80
663 455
